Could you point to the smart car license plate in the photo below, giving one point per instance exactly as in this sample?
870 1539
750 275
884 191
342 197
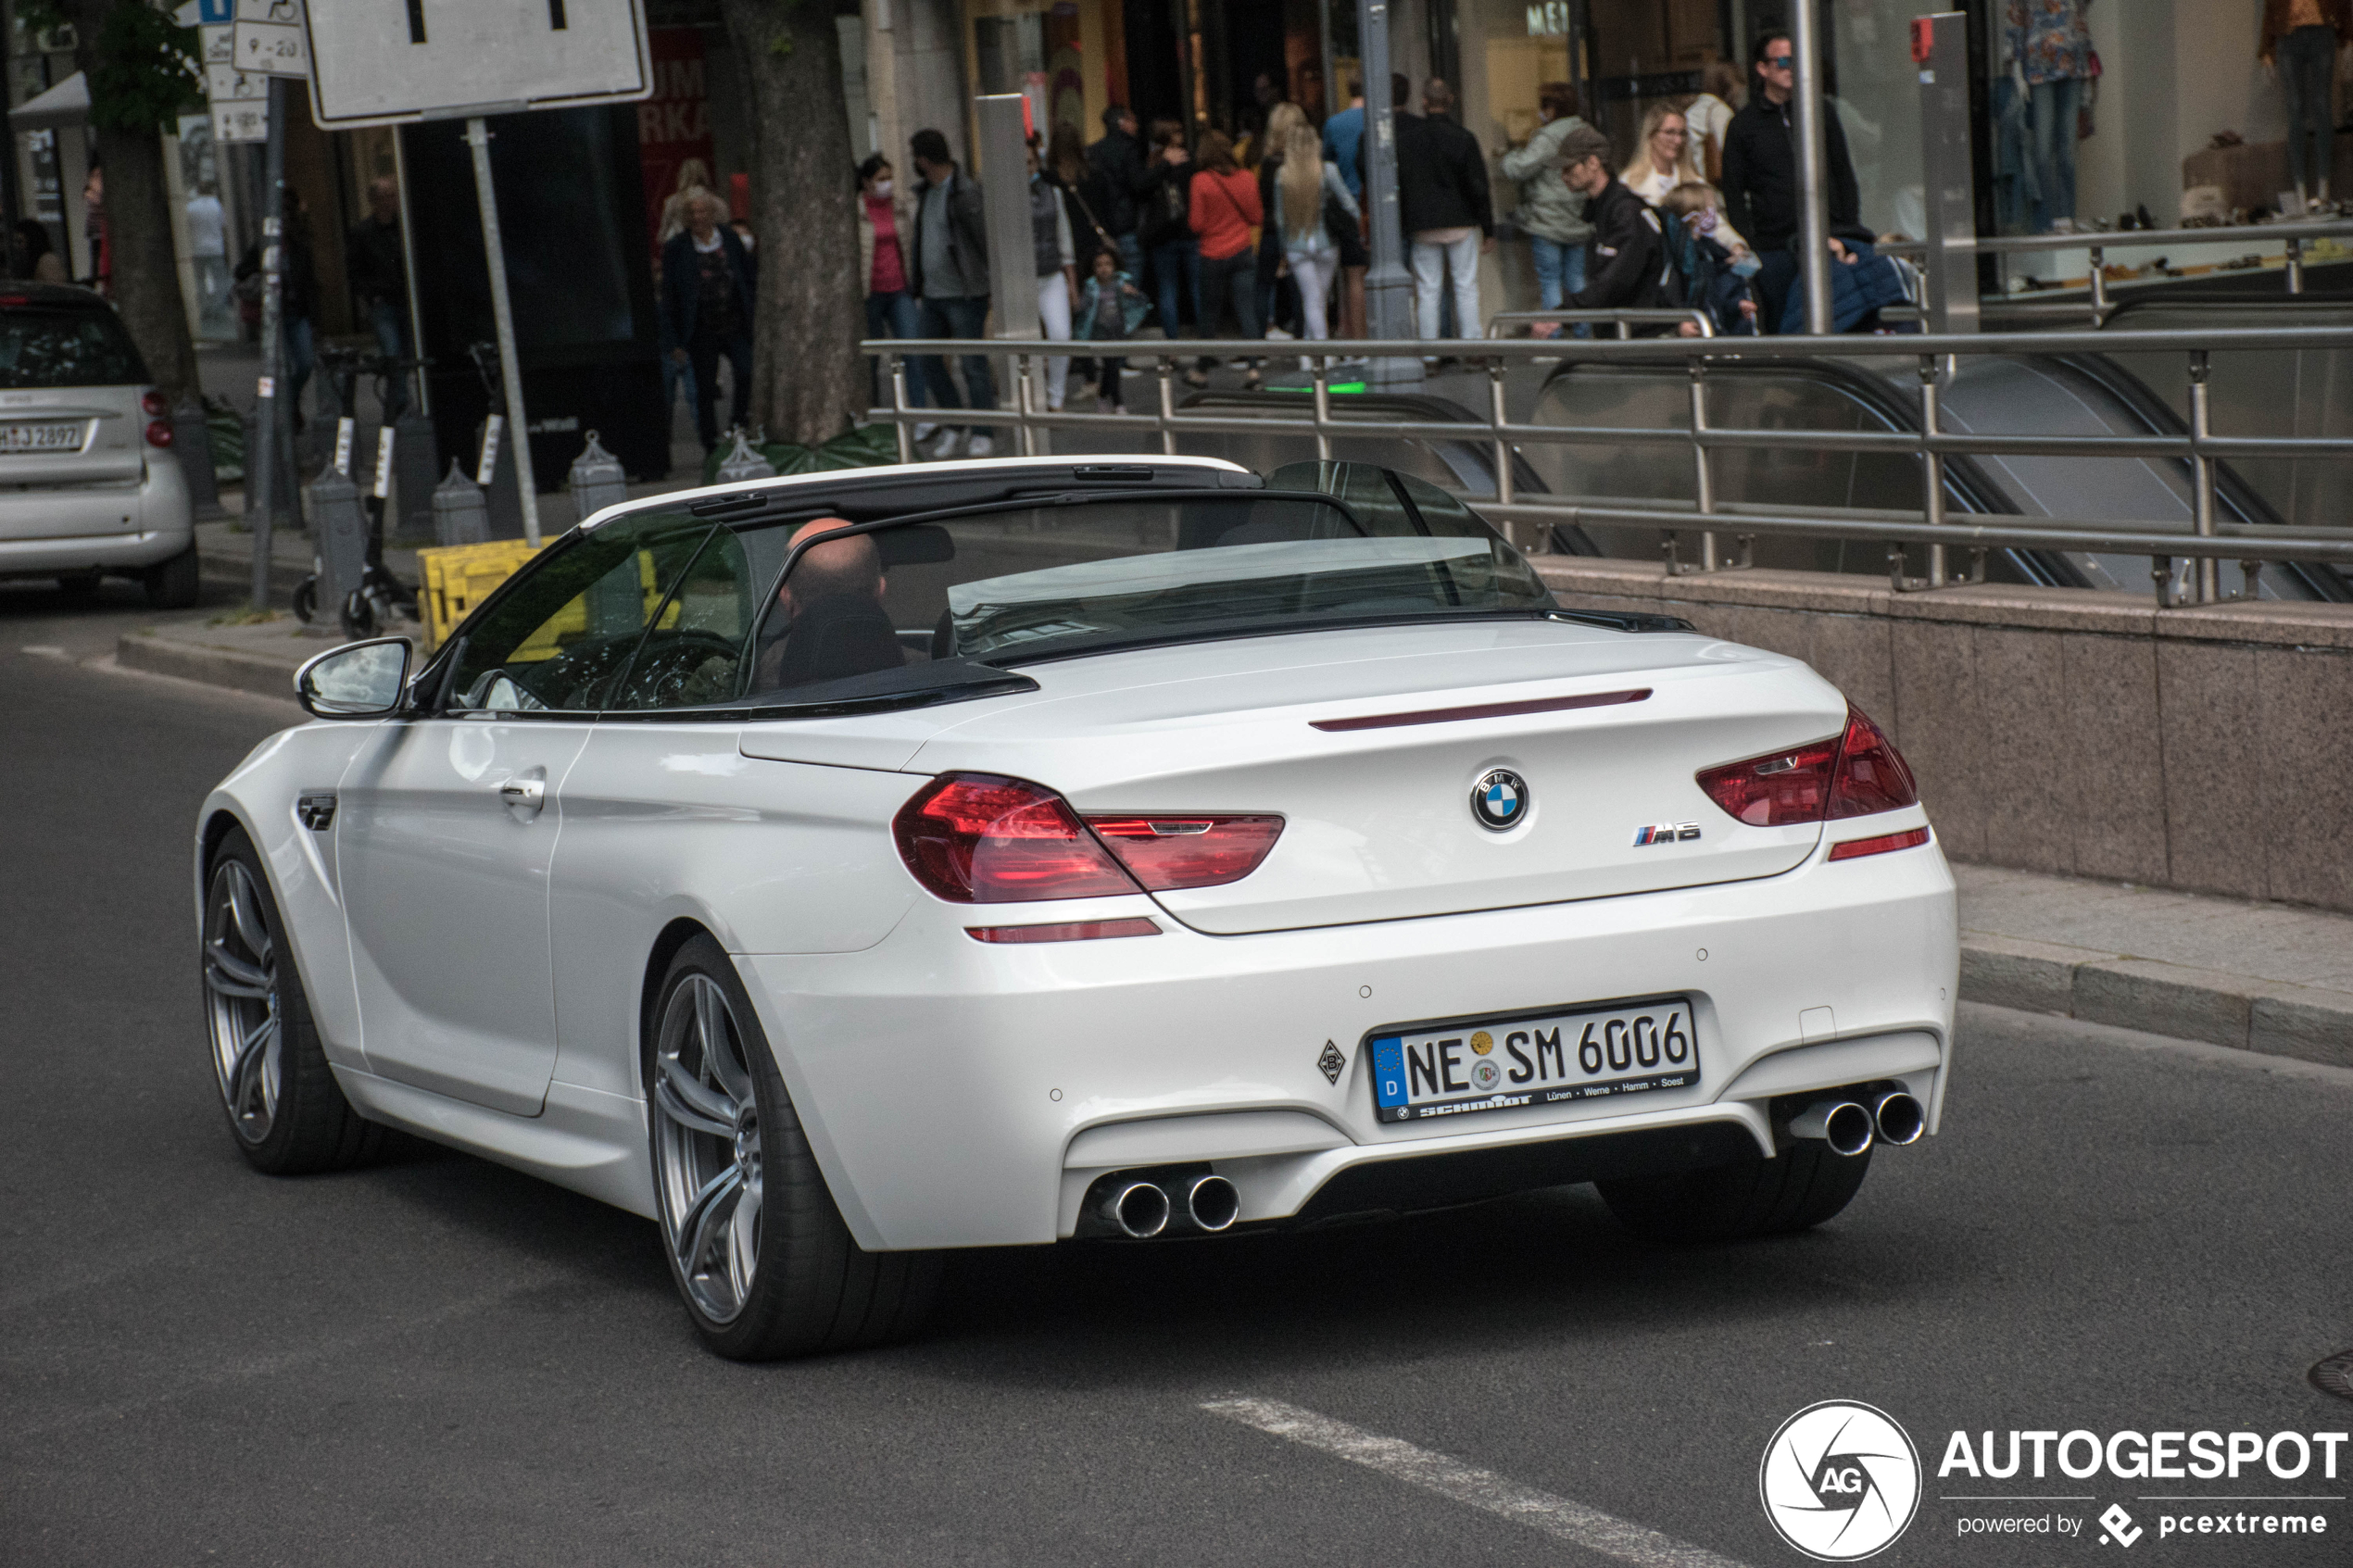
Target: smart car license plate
40 438
1494 1065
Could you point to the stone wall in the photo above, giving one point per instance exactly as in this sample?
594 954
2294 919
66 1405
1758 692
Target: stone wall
2079 733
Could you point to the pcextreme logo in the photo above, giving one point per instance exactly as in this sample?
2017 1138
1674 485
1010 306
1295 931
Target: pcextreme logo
1840 1480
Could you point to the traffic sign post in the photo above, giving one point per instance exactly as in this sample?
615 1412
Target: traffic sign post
376 64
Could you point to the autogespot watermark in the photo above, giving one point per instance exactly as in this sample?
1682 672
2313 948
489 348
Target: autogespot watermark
1841 1481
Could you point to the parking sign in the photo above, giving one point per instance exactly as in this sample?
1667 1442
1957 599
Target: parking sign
382 64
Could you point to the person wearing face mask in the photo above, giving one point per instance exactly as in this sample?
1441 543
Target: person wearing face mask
884 217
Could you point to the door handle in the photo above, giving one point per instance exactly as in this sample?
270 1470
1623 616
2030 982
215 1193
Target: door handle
524 795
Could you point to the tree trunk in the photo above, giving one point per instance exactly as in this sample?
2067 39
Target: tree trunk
808 381
138 207
146 273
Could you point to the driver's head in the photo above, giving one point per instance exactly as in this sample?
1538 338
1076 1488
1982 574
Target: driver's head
848 568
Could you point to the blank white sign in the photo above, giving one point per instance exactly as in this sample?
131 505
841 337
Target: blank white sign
381 62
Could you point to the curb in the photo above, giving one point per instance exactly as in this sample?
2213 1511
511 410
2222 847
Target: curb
2267 1016
214 667
217 566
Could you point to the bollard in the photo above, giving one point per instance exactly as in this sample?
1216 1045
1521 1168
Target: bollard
744 462
459 515
192 441
340 525
495 474
598 481
416 459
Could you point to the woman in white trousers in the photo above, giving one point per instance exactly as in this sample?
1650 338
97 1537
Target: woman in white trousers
1306 191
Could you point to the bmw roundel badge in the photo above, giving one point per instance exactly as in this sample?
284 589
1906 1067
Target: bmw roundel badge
1500 800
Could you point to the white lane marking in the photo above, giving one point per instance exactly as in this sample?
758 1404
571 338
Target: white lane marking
1555 1516
43 650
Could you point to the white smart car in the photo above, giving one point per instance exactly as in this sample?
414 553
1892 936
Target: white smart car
843 867
89 485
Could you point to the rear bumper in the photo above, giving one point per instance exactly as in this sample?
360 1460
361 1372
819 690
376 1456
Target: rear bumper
961 1094
46 532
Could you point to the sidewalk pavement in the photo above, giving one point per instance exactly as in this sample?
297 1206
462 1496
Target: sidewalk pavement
2270 978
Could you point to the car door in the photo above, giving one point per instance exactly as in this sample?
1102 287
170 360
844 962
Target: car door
446 824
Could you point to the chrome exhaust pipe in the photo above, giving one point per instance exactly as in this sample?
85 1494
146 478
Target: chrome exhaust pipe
1211 1203
1136 1209
1841 1123
1900 1118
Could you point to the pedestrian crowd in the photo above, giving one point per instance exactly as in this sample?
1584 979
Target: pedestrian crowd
1264 235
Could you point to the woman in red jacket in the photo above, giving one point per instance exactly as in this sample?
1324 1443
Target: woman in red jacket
1224 210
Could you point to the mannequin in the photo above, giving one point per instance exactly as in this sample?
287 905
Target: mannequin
2300 42
2050 53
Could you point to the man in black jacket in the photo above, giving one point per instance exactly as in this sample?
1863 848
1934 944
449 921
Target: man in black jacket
1760 175
948 270
1442 205
1626 253
1119 158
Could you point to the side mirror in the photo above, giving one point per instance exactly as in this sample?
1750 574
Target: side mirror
357 680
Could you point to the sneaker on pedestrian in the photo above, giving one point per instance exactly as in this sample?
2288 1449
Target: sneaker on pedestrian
926 432
1103 405
981 444
948 441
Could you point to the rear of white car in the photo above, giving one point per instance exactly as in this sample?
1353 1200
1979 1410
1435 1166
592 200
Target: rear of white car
1716 906
89 485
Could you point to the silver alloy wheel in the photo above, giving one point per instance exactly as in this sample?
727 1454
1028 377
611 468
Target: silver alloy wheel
241 1000
707 1149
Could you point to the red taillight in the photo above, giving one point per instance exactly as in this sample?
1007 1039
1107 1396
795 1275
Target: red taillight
976 838
1169 852
1910 839
1871 775
1856 775
155 404
1068 931
1768 792
158 432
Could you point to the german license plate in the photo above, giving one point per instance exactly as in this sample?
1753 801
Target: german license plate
1586 1054
41 438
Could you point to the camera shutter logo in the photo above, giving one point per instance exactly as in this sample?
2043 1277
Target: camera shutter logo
1840 1480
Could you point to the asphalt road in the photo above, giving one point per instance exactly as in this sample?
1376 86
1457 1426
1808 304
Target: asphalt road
437 1361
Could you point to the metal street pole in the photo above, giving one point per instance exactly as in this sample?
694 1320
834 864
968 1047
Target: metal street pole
408 275
502 312
261 463
1388 288
1813 195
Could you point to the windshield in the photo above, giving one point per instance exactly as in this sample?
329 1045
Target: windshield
661 610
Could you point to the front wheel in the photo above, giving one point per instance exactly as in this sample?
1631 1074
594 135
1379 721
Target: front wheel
288 1114
1807 1184
756 1244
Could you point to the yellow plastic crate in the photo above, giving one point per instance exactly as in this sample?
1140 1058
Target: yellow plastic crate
458 577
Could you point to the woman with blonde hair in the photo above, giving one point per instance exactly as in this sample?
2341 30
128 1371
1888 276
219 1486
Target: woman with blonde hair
1281 118
1306 191
1662 157
694 180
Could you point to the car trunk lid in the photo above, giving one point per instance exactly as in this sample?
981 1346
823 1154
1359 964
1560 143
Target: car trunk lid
1371 745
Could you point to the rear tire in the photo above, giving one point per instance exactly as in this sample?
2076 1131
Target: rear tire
175 583
1801 1188
285 1110
757 1246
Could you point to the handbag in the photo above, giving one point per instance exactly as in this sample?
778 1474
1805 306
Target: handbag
1102 236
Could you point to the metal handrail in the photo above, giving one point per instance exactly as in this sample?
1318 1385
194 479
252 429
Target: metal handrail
2204 546
1623 320
2120 239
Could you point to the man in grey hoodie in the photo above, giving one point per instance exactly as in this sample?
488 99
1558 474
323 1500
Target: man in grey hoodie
1552 215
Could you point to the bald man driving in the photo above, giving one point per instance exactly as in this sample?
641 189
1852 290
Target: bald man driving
832 602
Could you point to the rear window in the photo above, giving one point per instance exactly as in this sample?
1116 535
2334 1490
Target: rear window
41 348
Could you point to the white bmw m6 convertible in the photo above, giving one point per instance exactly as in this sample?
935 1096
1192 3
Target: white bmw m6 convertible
843 867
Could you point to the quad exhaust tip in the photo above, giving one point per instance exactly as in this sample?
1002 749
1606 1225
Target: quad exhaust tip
1211 1203
1138 1209
1900 1119
1844 1125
